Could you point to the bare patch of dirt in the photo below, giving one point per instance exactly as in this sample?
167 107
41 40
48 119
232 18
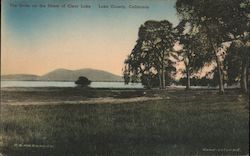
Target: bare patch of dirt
88 101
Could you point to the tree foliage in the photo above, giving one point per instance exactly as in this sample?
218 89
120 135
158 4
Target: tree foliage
82 81
234 61
152 55
195 52
221 21
210 33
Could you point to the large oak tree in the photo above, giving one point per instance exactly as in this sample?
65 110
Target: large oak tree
152 55
221 21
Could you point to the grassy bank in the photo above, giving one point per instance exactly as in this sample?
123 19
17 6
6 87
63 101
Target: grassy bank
181 123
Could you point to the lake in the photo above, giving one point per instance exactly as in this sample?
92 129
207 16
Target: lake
67 84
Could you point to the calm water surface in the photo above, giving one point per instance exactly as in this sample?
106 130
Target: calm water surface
67 84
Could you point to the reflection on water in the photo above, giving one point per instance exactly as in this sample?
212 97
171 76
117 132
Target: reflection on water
67 84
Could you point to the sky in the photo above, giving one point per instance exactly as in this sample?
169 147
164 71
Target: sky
37 40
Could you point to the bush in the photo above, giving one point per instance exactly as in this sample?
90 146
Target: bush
82 81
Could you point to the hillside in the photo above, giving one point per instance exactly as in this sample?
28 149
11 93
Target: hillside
67 75
72 75
19 77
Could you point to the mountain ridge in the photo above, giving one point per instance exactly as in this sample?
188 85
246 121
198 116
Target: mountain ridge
62 74
19 77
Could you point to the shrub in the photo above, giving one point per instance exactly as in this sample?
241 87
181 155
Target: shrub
82 81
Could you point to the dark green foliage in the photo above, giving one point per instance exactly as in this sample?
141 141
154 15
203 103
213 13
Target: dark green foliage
150 80
151 54
221 21
233 63
82 81
204 81
195 52
235 59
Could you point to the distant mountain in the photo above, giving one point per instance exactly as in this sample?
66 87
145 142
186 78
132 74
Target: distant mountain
58 75
27 77
68 75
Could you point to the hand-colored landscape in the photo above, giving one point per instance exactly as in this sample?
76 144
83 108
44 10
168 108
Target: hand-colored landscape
131 78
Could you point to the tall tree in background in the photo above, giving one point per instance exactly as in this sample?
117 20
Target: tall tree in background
194 52
152 54
235 16
236 63
221 21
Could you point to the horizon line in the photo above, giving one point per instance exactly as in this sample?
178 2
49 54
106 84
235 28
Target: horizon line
4 74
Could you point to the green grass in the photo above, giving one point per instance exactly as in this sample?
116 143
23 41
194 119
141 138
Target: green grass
182 123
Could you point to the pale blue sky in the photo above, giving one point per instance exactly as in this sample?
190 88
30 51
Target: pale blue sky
43 39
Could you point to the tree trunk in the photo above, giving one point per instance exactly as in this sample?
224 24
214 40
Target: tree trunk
160 83
221 86
188 71
149 84
188 78
244 79
163 79
163 73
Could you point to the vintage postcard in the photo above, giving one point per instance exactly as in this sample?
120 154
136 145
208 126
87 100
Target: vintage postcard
124 77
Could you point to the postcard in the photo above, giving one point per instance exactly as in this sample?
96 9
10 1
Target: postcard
124 77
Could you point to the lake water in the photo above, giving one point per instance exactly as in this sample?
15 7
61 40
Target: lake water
67 84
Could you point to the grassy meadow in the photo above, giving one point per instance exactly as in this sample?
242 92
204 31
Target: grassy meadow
196 122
